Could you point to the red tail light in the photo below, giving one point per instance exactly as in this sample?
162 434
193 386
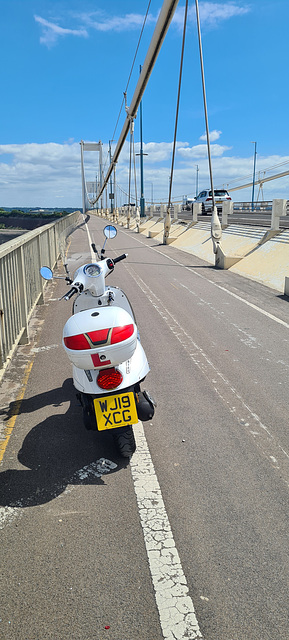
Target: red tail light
121 333
109 378
77 343
207 199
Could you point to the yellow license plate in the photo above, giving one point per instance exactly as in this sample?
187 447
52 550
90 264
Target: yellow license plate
115 411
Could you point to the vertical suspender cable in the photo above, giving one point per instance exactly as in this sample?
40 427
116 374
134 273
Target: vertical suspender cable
129 177
205 101
82 180
167 224
164 19
132 66
216 229
134 167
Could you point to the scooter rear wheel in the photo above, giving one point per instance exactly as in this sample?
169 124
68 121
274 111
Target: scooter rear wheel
124 441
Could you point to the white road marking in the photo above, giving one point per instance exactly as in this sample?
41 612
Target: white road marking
215 284
176 609
7 515
94 469
92 255
175 606
223 388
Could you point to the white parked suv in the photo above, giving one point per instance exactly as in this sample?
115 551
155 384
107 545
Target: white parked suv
205 197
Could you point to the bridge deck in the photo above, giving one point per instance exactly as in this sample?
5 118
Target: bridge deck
74 558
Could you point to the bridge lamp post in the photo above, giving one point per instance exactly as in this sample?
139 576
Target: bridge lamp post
254 173
197 179
112 187
141 154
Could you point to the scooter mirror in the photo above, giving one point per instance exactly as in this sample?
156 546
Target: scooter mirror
110 231
46 273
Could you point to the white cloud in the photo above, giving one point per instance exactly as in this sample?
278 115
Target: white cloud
98 21
200 151
214 135
51 32
211 13
161 151
46 174
101 21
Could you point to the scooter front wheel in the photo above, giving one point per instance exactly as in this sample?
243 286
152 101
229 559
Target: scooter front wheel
124 441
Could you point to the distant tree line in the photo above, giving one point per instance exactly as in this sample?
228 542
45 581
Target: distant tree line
18 213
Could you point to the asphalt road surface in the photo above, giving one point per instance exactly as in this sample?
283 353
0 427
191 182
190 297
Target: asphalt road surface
189 539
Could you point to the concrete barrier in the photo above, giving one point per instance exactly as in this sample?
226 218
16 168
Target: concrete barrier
269 263
237 242
262 256
197 240
249 251
156 229
176 230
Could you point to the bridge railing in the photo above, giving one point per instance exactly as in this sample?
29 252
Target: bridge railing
21 286
177 210
264 205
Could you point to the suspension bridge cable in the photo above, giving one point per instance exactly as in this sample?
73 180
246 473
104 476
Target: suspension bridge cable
249 175
132 66
167 223
162 25
178 103
130 74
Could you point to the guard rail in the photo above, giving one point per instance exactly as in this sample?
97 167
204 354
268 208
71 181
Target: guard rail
21 286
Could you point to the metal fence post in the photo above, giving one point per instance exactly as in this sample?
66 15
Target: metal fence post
2 350
23 298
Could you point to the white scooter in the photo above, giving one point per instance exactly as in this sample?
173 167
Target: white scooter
102 342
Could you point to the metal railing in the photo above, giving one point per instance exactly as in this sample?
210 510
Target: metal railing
262 206
21 286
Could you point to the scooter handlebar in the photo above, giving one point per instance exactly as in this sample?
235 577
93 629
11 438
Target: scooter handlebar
119 258
70 293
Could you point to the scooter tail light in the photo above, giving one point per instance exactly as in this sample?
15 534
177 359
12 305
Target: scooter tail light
122 333
109 378
77 343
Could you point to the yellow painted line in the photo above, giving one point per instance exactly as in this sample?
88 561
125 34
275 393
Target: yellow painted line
11 422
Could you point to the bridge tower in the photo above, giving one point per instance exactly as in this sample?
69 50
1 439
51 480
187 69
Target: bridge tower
86 186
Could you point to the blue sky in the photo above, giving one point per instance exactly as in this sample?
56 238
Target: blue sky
65 66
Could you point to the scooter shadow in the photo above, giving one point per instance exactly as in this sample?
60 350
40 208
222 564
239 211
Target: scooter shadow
56 453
